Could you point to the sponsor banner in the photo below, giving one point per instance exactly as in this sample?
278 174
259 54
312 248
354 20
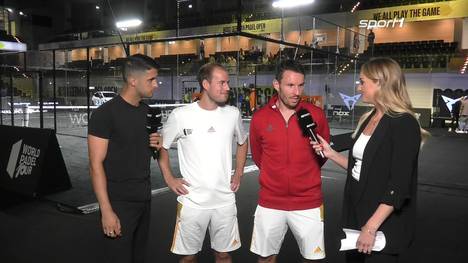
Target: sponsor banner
254 27
147 36
420 12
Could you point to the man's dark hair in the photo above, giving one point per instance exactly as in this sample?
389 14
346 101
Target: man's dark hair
206 72
137 63
289 64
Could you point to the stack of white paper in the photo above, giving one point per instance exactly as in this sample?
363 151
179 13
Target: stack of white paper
352 236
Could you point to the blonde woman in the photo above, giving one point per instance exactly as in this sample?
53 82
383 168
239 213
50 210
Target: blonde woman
380 190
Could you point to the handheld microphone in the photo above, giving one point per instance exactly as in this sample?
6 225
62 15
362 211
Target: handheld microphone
307 124
154 124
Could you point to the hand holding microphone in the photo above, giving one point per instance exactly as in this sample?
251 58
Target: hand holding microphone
154 126
322 146
307 124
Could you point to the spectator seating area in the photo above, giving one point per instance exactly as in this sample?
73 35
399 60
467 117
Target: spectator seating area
417 54
170 60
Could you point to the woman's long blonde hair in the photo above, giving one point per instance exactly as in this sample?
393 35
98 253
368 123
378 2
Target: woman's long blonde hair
392 97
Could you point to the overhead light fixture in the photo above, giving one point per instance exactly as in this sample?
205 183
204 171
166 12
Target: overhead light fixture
190 6
128 23
98 7
355 7
9 10
291 3
21 13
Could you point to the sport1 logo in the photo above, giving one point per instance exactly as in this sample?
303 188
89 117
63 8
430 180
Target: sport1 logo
369 24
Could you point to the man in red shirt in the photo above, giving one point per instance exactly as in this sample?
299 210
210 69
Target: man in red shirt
290 184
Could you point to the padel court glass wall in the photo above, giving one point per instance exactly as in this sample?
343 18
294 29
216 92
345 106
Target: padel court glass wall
60 88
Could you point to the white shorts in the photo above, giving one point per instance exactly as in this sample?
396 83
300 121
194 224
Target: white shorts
270 226
191 226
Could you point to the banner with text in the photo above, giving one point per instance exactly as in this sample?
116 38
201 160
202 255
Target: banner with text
420 12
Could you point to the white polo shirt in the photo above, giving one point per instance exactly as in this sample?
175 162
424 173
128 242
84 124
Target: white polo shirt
204 145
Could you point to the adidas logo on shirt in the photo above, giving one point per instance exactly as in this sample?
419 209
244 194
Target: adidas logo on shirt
212 129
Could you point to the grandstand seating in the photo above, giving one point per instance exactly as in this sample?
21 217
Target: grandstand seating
417 54
170 60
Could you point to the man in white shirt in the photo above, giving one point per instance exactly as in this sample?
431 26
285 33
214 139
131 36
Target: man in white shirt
204 131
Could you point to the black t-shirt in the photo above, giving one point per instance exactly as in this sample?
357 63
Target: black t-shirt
127 163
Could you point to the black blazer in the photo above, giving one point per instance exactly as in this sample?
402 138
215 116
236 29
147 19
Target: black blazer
388 176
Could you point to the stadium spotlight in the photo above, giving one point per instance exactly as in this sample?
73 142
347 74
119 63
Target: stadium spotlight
291 3
128 23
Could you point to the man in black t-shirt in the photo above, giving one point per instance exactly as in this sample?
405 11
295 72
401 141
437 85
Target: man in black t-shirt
119 160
